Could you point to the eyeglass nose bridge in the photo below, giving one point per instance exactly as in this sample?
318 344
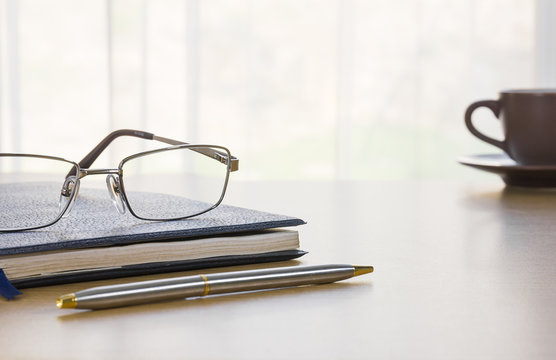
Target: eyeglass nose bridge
112 183
85 172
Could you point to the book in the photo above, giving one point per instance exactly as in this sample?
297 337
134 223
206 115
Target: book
51 267
96 242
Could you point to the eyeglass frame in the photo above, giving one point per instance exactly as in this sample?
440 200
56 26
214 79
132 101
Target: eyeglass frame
82 169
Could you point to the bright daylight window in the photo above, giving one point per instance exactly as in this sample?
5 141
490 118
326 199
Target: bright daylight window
304 89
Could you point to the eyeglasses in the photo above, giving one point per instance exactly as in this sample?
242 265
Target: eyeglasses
38 190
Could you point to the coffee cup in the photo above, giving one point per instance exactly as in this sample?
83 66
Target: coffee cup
528 119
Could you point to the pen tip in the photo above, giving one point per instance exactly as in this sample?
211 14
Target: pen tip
360 270
66 302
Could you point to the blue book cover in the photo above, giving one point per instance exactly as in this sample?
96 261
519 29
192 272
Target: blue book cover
94 223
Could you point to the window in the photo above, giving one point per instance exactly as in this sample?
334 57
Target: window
326 89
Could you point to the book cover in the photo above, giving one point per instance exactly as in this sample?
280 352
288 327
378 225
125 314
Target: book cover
95 223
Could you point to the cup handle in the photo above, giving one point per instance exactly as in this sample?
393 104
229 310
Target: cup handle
494 106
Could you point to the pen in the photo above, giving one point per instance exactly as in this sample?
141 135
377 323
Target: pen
104 297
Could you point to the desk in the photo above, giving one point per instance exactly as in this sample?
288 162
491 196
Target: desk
462 271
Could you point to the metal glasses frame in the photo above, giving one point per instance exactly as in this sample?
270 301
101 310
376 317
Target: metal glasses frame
79 170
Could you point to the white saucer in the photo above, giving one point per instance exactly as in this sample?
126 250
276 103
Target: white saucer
511 172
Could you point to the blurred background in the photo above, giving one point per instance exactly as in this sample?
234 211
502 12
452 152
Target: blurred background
297 89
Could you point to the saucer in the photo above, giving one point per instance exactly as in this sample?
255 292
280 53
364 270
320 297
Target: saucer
511 172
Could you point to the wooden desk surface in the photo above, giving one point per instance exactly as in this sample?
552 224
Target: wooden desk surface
462 271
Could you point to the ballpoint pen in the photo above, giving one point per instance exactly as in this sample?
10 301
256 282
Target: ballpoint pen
201 285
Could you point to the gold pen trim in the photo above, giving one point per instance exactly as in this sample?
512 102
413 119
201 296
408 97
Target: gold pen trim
361 270
207 286
66 302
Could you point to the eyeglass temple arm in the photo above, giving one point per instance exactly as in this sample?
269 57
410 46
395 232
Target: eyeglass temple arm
212 153
88 160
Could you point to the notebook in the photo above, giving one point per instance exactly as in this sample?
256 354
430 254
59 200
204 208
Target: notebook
66 251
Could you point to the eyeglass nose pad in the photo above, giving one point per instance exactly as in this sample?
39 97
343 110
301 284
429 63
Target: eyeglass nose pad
115 191
68 195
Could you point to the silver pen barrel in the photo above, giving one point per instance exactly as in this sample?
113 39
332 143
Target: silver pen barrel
202 285
277 278
103 297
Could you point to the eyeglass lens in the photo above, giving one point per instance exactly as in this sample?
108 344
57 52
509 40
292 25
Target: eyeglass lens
175 183
32 191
